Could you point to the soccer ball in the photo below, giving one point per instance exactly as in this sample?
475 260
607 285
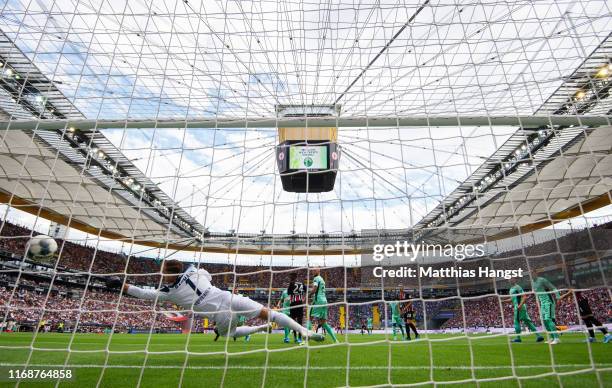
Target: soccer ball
41 246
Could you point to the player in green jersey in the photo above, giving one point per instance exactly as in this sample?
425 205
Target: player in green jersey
369 325
241 320
519 298
285 302
319 304
396 319
547 295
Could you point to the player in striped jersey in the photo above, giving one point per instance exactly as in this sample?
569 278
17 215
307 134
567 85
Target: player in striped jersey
587 316
297 298
409 315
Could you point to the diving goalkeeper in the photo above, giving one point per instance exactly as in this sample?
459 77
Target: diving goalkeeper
192 289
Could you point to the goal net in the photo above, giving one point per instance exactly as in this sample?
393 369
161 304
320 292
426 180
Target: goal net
428 182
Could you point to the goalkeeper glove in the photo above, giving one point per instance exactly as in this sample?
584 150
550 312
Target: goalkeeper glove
114 283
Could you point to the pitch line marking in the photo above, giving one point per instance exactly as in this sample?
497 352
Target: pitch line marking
361 367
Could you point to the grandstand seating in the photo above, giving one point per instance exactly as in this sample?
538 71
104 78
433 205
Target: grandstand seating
73 291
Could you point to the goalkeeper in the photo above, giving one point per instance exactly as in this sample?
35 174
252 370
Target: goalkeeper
519 298
545 290
192 289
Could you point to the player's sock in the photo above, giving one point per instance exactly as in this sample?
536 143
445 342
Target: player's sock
530 325
244 331
551 328
403 330
285 321
532 328
287 331
297 337
330 331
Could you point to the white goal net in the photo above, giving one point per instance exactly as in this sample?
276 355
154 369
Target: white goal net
436 174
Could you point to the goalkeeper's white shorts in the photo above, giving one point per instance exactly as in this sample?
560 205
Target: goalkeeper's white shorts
229 307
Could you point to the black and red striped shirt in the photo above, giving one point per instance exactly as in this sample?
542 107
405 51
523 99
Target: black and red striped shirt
297 293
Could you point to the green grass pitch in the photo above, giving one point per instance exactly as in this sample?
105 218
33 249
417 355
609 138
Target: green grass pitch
197 361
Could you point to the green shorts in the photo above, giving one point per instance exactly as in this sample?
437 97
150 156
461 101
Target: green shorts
319 312
397 320
521 315
547 310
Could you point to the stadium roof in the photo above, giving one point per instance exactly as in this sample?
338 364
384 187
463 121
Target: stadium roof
435 99
564 178
46 173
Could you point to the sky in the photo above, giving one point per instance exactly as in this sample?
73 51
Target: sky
238 59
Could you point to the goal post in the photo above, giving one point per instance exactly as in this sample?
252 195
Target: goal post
426 183
522 121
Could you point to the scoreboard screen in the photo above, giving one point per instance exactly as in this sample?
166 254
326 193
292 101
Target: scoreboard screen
308 157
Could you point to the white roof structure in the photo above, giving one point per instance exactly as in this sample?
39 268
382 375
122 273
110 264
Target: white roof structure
155 122
39 177
569 179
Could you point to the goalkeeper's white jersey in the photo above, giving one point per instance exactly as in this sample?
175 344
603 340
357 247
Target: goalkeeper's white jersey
194 291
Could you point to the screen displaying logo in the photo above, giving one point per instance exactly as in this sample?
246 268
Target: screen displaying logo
308 157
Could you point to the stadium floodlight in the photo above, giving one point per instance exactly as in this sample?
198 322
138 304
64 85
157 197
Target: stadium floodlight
604 71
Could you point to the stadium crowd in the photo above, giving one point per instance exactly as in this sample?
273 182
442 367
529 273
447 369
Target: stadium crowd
92 312
98 309
143 270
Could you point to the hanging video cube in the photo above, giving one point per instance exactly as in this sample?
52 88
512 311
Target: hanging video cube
308 166
308 157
